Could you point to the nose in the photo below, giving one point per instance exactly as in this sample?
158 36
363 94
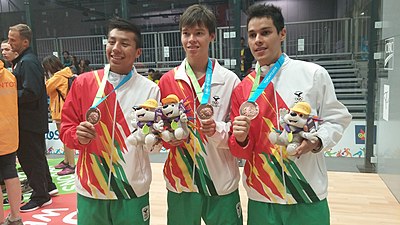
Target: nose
293 114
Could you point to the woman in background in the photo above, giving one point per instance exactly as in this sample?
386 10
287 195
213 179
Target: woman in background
57 87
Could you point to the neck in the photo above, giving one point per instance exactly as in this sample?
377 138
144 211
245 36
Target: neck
199 66
272 61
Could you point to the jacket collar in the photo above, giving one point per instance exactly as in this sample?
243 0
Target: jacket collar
180 73
26 51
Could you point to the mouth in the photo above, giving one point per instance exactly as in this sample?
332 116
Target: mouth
168 113
292 121
140 115
260 49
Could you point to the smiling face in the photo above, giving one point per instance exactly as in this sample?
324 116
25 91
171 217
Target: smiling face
144 114
264 40
171 110
195 41
296 119
122 51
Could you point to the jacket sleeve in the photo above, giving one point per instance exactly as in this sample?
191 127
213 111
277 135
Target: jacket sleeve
33 78
238 151
335 116
222 129
71 117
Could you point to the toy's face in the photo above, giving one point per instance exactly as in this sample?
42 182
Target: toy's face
145 114
171 110
295 119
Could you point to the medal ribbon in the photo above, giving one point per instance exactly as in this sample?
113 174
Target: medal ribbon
258 88
99 99
203 97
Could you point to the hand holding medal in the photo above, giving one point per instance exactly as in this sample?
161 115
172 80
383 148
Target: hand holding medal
250 108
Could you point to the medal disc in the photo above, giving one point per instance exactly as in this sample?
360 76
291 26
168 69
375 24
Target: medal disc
93 116
249 109
205 111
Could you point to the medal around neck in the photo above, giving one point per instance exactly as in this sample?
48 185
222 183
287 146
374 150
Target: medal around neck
205 111
93 115
249 109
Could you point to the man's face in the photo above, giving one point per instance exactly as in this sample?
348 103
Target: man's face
264 40
18 43
195 41
121 51
7 53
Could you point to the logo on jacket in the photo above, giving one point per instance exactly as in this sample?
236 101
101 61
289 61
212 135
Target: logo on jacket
298 97
215 101
146 213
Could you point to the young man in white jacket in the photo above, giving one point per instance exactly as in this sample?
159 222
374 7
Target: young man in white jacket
283 189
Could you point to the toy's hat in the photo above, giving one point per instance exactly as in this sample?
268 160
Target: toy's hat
302 107
170 99
150 103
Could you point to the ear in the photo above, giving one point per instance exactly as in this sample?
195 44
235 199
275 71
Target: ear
282 34
212 36
25 43
138 53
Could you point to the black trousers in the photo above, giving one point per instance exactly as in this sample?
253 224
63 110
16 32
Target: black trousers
32 157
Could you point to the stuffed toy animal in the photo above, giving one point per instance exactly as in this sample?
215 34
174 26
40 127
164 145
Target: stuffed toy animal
147 126
175 119
293 123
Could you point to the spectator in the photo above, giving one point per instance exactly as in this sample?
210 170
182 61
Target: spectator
246 59
83 66
32 118
8 54
57 87
9 146
67 59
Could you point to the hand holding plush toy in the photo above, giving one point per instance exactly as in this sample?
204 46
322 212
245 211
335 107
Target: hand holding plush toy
293 123
147 126
175 119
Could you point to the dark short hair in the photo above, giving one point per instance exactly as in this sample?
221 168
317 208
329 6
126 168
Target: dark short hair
126 25
269 11
24 31
198 15
52 64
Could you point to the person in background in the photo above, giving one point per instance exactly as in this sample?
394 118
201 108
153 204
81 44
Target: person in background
57 90
83 66
67 59
283 189
112 176
197 187
246 59
150 74
9 146
157 76
32 118
8 54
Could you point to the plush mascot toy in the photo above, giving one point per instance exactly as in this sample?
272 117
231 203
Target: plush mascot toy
147 126
175 119
293 123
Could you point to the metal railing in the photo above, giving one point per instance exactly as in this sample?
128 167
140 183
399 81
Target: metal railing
306 39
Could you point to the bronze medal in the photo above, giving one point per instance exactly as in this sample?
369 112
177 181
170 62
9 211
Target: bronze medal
205 111
93 116
249 109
